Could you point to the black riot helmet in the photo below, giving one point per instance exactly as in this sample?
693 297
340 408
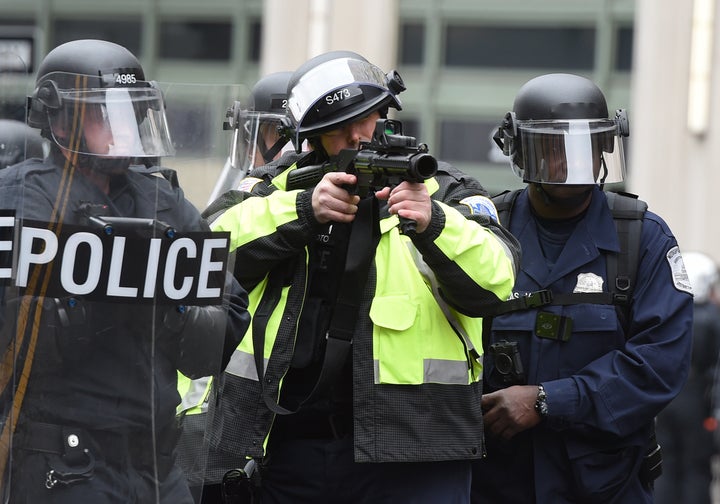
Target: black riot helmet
337 88
18 142
263 123
95 85
269 94
559 132
258 125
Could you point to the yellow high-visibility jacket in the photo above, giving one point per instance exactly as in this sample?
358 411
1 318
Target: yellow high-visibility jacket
417 381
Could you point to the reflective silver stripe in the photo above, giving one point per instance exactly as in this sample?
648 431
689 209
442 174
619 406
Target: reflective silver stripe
425 271
446 372
242 364
196 395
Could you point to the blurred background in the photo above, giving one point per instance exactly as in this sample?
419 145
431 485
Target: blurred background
462 60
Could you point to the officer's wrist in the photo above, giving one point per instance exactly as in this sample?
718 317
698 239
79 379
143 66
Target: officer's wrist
541 406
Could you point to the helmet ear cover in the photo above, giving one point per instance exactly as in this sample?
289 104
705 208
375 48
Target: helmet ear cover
46 96
621 118
49 95
506 133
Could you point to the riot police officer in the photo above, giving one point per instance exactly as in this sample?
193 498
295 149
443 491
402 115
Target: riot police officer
264 125
351 346
596 337
91 406
257 131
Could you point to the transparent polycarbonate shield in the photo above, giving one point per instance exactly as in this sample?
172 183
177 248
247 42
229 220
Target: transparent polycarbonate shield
573 152
117 294
17 139
14 79
203 136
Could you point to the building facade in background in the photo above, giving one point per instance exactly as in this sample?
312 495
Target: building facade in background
463 61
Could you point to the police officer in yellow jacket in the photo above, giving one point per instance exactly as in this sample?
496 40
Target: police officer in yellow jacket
359 380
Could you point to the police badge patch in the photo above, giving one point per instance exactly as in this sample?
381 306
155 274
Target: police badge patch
588 282
247 184
480 205
681 281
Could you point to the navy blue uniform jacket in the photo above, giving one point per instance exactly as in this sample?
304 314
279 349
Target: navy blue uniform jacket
604 385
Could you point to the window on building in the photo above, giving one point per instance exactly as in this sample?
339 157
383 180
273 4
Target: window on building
17 48
469 141
624 49
196 40
564 48
412 43
125 32
255 43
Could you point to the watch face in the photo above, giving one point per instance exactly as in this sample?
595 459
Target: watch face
540 403
542 409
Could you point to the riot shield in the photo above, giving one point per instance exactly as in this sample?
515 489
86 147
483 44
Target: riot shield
207 111
17 139
206 147
116 288
14 79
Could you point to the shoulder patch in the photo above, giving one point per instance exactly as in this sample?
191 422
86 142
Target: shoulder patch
247 184
679 273
480 205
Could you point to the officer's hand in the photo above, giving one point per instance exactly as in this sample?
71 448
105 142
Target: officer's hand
410 200
507 412
331 201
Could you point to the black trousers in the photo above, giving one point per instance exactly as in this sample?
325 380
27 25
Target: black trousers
323 470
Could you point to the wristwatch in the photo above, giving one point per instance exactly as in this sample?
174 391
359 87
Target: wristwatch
541 402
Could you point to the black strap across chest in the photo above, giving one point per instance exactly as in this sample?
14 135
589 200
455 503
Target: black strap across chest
621 267
364 237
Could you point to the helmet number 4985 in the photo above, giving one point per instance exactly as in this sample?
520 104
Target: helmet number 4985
128 78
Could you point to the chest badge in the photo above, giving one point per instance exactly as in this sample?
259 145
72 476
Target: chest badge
588 282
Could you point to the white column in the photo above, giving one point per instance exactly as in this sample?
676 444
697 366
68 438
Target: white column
294 31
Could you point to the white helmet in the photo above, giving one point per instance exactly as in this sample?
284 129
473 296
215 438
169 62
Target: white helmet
703 274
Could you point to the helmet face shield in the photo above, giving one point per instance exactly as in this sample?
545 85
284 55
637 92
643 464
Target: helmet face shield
127 122
261 132
256 140
573 152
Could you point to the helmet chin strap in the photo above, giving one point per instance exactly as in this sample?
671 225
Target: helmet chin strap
269 154
605 171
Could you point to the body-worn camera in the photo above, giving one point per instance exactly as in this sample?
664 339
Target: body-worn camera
507 362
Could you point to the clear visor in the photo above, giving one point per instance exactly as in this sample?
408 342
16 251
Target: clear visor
254 143
261 131
112 122
331 82
573 152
